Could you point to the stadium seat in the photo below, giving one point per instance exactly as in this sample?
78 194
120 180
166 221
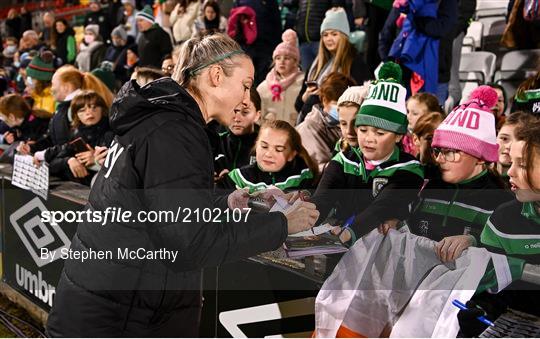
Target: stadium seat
473 37
491 8
480 64
516 66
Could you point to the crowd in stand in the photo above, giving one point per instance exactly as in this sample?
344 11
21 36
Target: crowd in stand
379 135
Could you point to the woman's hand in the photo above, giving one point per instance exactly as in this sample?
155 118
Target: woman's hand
301 216
269 195
100 153
450 248
77 169
310 90
238 199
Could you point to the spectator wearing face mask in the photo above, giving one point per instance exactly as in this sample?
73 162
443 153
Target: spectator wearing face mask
92 49
9 51
320 130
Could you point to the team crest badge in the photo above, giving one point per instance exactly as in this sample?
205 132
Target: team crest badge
378 184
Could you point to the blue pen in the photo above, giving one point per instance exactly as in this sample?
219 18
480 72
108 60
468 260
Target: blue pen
349 221
461 306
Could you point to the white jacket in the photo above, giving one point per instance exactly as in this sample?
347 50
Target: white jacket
284 109
182 24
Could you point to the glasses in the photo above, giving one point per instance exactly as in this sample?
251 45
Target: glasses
168 69
450 155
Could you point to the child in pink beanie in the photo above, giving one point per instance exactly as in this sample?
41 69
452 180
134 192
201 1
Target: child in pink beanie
454 208
284 81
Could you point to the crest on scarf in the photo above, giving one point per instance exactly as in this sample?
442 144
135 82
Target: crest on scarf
378 185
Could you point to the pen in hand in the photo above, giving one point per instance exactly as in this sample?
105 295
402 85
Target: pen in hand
461 306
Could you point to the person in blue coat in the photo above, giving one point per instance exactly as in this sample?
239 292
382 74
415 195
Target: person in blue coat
439 25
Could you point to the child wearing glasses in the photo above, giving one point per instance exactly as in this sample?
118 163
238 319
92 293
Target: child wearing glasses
374 182
454 209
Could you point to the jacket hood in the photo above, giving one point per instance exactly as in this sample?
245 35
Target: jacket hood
134 104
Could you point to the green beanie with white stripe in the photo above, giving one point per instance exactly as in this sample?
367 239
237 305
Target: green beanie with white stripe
385 106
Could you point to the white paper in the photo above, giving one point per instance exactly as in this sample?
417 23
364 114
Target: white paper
317 230
281 205
29 177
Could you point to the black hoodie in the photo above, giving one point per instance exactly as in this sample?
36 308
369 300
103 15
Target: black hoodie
159 160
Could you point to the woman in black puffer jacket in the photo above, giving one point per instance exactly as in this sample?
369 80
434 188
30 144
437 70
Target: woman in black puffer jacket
161 160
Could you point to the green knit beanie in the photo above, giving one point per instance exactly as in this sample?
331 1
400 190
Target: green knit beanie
385 107
41 67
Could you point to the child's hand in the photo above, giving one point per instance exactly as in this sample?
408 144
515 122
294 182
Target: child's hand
344 234
77 169
36 161
86 158
450 248
23 148
387 225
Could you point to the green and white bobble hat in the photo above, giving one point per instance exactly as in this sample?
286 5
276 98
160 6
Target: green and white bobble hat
146 14
385 105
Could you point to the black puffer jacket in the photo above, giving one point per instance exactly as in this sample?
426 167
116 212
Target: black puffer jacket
159 160
310 17
59 131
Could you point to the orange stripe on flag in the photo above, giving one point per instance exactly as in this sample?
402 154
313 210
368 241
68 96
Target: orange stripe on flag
344 332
